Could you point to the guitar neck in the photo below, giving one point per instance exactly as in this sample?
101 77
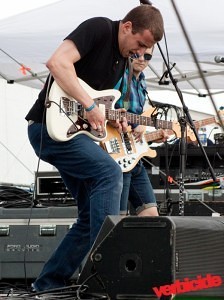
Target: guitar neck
113 115
156 135
204 122
153 136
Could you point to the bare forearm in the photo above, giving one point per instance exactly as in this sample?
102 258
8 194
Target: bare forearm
61 66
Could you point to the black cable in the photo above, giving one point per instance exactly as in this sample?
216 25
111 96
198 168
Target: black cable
34 191
69 292
12 197
87 280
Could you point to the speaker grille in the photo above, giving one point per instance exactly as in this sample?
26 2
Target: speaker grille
199 250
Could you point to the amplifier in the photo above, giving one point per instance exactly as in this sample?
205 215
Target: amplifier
49 185
28 237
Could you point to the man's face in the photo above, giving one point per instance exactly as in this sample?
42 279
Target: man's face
134 43
140 63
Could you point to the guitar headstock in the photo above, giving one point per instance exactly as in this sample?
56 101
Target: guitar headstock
189 132
176 129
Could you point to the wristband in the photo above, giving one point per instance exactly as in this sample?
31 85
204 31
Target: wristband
90 107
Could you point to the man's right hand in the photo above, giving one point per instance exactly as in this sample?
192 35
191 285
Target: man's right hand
96 119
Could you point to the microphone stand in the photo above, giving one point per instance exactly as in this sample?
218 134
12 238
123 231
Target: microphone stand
182 144
168 198
167 206
182 150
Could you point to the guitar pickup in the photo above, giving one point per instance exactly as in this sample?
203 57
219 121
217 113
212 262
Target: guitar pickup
78 106
112 146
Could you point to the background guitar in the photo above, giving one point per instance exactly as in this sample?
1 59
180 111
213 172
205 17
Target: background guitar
123 148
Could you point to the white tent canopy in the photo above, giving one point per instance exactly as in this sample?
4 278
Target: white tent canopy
28 40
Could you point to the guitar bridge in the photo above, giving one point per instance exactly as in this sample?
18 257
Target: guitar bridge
126 141
69 107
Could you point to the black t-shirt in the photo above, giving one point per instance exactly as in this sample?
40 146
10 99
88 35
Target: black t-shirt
101 65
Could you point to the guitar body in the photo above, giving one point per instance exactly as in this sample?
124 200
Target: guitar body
123 148
65 117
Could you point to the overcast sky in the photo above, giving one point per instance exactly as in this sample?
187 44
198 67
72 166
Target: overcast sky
14 7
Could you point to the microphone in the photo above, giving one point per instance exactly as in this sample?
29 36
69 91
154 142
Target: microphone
145 2
219 59
165 74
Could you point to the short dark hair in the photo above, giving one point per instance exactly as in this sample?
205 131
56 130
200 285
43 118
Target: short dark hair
145 17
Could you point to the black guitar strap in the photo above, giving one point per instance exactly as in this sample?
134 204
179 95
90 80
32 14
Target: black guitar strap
47 102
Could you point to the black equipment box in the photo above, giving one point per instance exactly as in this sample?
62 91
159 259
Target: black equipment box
196 174
28 237
49 185
134 254
192 208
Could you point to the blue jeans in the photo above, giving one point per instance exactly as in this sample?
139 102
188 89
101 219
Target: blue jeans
137 189
95 180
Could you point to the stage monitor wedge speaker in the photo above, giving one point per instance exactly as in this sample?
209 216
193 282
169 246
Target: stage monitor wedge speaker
132 255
